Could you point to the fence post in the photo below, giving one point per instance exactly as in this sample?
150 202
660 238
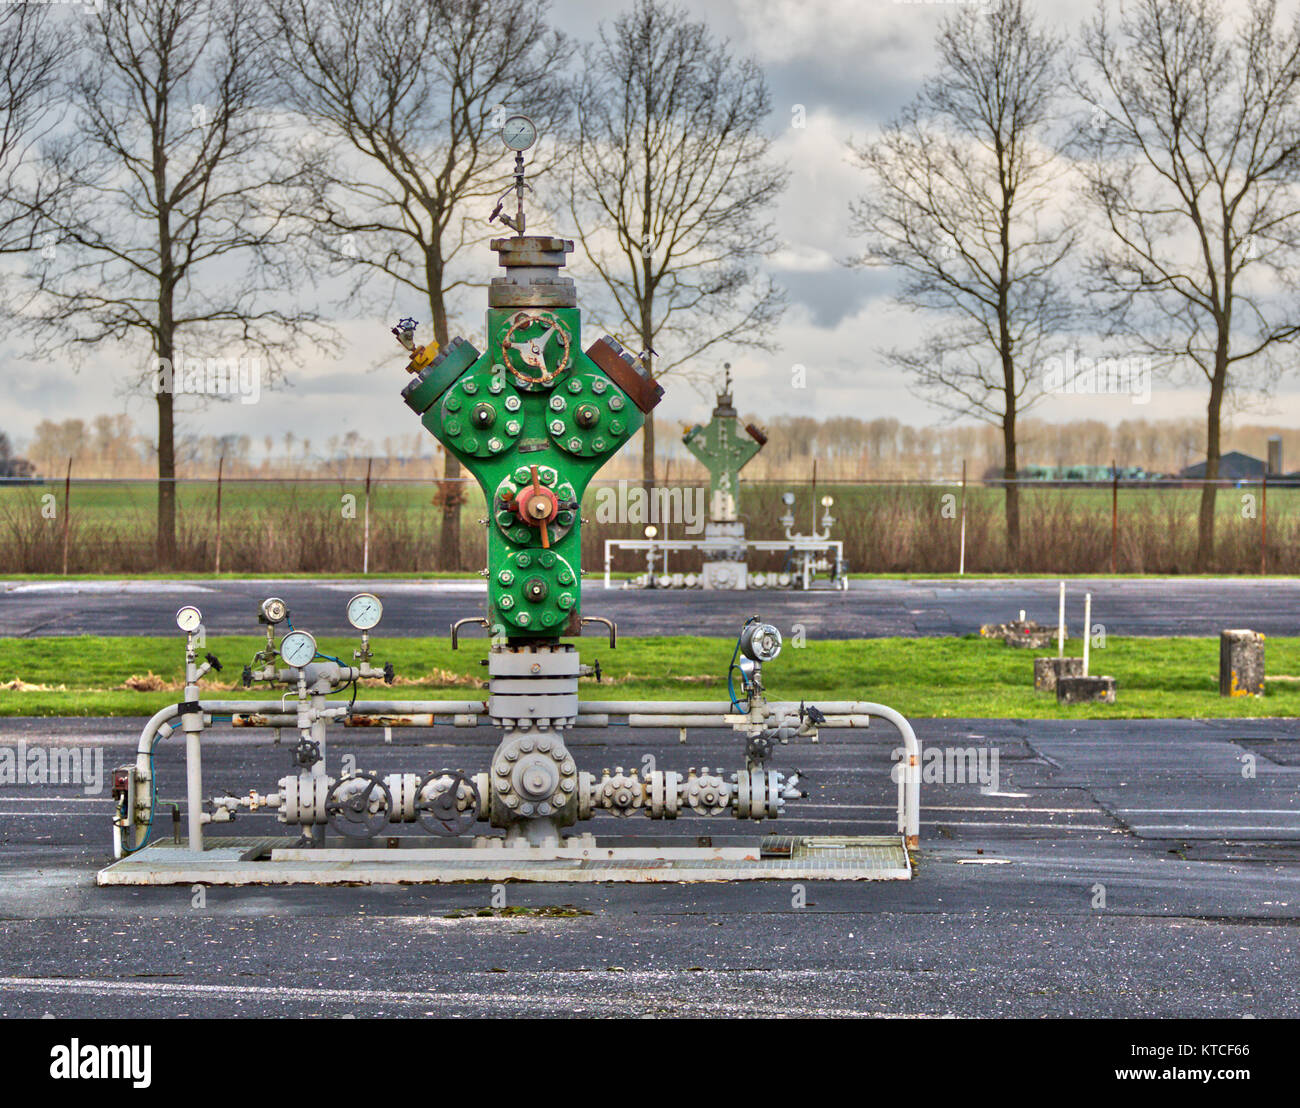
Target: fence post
67 501
961 565
1263 524
1114 515
221 465
365 552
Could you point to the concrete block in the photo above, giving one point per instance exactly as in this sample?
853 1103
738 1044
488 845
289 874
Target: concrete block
1026 633
1085 690
1241 663
1047 671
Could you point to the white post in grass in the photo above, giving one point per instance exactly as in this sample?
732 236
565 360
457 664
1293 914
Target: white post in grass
1060 624
1087 629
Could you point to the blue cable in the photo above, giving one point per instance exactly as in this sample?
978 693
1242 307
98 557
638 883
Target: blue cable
153 795
731 688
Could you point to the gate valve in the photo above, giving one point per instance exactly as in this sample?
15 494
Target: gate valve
536 505
306 754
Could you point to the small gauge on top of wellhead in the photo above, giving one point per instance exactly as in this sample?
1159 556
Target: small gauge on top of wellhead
189 618
274 609
519 132
298 648
364 611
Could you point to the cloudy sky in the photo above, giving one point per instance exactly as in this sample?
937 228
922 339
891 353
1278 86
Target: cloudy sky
850 64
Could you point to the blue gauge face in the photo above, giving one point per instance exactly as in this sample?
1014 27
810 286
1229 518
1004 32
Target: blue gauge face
297 648
364 611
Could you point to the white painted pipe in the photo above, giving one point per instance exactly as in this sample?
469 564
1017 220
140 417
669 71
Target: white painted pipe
909 798
194 788
1060 624
1087 629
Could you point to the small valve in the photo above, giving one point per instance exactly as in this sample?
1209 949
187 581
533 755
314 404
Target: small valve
307 753
213 661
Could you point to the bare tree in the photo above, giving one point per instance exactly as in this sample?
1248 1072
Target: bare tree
1194 144
961 203
175 224
34 48
671 179
413 94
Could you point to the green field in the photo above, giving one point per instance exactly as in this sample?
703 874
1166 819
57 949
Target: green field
972 677
285 527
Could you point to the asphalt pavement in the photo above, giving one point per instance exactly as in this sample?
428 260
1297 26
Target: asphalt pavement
869 609
1109 868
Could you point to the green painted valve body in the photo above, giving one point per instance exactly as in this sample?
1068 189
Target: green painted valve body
533 419
723 449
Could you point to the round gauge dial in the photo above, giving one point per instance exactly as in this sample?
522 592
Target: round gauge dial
189 618
519 132
274 609
760 641
298 648
364 611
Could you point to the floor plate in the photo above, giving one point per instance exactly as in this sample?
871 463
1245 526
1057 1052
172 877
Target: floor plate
239 861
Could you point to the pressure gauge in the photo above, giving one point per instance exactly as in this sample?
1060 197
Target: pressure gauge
651 531
827 501
787 498
189 618
760 641
274 609
298 648
364 611
519 132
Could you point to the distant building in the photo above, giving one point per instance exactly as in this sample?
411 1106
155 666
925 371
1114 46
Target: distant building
1236 466
14 469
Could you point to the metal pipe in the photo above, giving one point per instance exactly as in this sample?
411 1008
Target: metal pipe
717 707
360 707
145 744
194 788
1087 629
1060 623
668 713
650 719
